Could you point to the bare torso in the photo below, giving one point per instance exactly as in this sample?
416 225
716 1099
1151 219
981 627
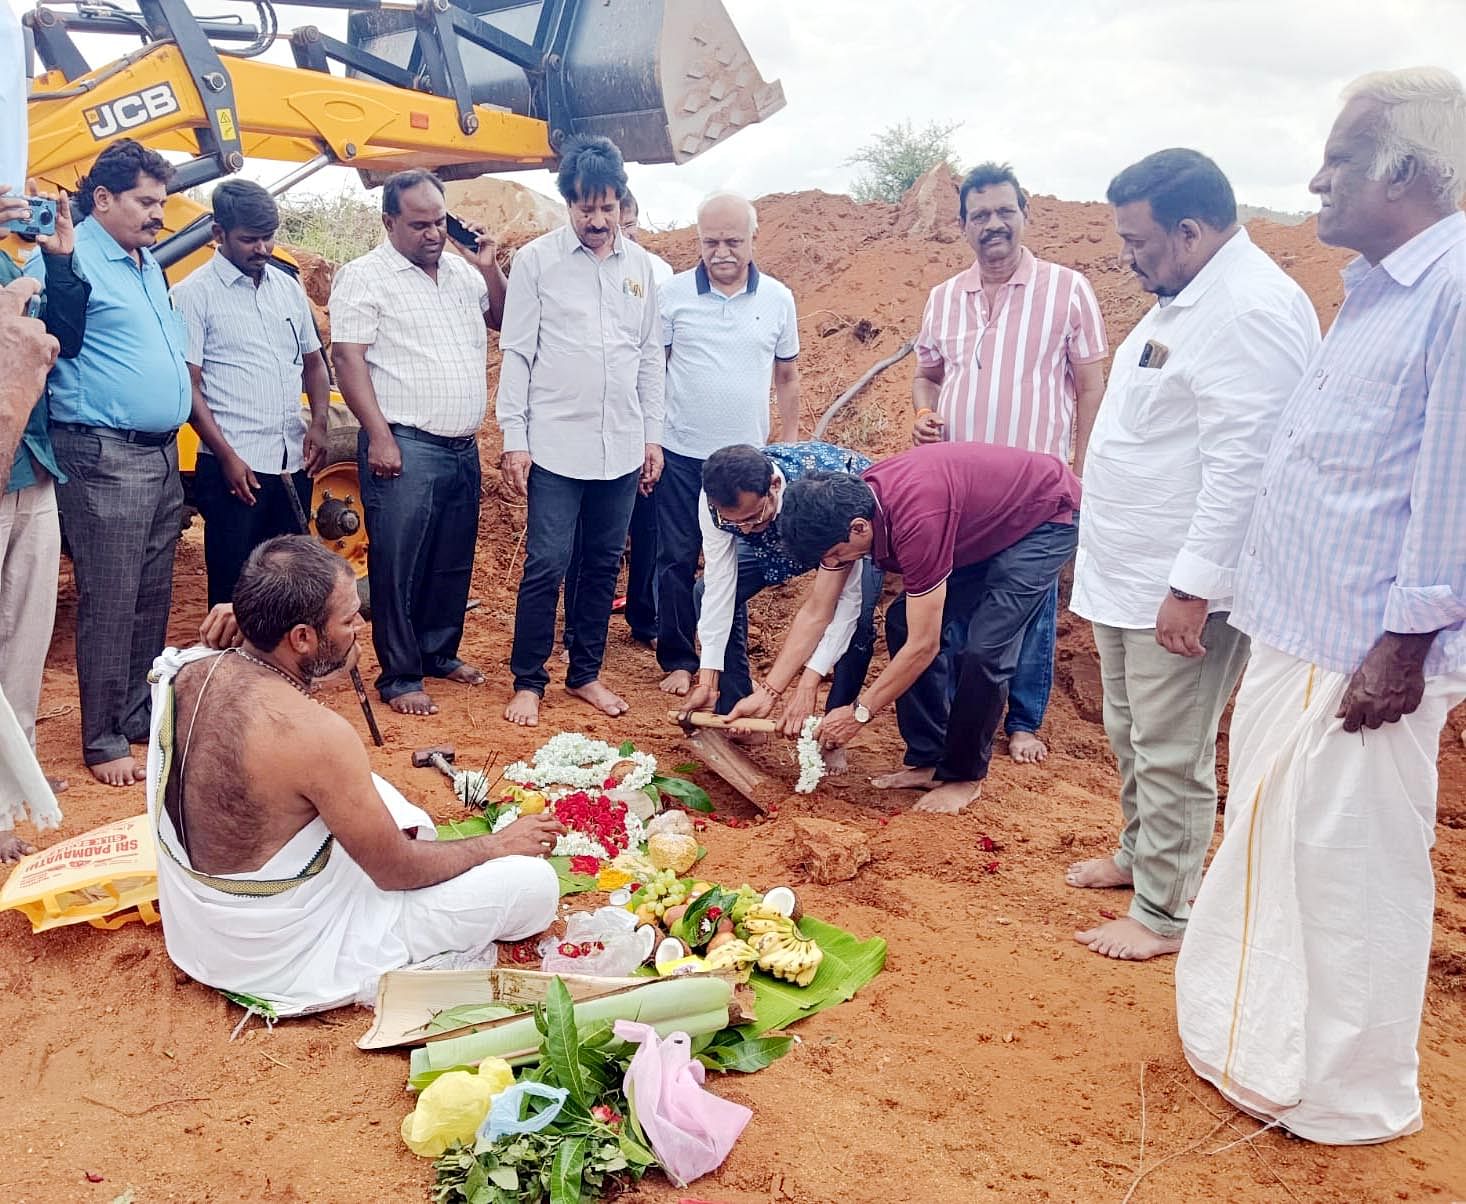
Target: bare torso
242 781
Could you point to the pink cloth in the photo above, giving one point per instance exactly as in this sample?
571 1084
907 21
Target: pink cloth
690 1129
1008 369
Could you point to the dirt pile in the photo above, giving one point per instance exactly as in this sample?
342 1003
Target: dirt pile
513 213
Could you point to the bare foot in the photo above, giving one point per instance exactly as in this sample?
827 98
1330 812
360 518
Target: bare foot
1026 748
1128 940
58 785
679 681
913 777
950 798
1097 873
600 697
415 702
837 760
523 708
120 772
13 848
466 675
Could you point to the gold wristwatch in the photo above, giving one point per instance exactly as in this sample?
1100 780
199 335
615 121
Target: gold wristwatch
862 712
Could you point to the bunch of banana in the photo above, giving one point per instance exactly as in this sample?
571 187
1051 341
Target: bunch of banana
789 956
730 954
782 949
759 920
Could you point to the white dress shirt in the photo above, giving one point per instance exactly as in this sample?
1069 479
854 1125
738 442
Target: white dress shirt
427 349
250 342
581 385
1176 452
720 595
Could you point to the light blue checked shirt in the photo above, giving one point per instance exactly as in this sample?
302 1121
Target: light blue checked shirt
1360 521
250 343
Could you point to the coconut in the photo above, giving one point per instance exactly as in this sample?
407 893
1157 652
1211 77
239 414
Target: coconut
669 950
647 934
784 901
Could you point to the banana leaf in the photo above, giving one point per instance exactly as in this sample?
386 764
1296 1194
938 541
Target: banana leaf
848 965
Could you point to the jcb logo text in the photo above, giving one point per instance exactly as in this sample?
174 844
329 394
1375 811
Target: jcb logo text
132 110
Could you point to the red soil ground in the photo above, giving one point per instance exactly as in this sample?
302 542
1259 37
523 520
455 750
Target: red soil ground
994 1059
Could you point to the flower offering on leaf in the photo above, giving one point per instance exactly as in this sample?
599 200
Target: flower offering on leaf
585 865
811 761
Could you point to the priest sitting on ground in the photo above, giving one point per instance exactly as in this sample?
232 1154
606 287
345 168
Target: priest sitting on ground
286 869
979 533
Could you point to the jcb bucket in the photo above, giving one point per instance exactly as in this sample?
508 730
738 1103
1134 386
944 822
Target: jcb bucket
663 79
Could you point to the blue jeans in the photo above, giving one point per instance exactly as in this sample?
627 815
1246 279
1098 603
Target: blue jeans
423 528
558 506
736 682
641 578
1033 680
679 541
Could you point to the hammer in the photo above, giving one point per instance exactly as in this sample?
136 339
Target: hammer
439 756
356 683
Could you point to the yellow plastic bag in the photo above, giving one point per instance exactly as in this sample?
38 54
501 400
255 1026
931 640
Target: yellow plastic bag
106 878
452 1107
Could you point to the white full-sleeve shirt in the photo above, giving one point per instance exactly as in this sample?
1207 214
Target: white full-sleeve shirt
581 385
720 596
1177 450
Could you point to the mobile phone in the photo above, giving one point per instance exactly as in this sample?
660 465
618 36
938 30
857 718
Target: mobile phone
461 234
40 222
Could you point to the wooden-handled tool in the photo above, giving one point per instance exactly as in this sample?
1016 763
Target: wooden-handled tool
722 722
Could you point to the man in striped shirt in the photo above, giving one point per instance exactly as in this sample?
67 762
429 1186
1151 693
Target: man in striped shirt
252 347
1300 985
1011 352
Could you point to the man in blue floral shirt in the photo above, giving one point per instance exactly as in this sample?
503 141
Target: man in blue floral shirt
742 494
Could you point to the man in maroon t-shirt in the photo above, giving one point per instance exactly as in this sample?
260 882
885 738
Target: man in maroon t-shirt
978 532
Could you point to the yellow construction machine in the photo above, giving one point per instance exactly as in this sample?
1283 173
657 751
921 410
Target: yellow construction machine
468 88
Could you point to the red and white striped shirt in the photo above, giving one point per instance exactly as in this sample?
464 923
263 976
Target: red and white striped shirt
1009 369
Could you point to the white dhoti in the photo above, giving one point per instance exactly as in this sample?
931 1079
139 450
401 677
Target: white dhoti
24 791
331 931
1300 985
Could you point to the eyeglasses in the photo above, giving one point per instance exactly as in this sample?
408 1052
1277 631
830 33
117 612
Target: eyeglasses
762 515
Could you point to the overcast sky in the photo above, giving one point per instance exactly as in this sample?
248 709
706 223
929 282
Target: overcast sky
1069 91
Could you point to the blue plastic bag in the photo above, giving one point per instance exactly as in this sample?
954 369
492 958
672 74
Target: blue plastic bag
503 1119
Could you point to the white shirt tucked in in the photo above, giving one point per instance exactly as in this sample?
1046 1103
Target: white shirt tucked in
581 386
250 342
721 362
1177 449
427 349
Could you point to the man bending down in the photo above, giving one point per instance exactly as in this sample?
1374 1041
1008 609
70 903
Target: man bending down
287 870
978 533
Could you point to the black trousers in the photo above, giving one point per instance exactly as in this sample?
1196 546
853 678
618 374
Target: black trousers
601 510
998 599
641 580
232 529
423 527
679 543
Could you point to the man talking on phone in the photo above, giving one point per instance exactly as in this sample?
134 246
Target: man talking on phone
409 341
